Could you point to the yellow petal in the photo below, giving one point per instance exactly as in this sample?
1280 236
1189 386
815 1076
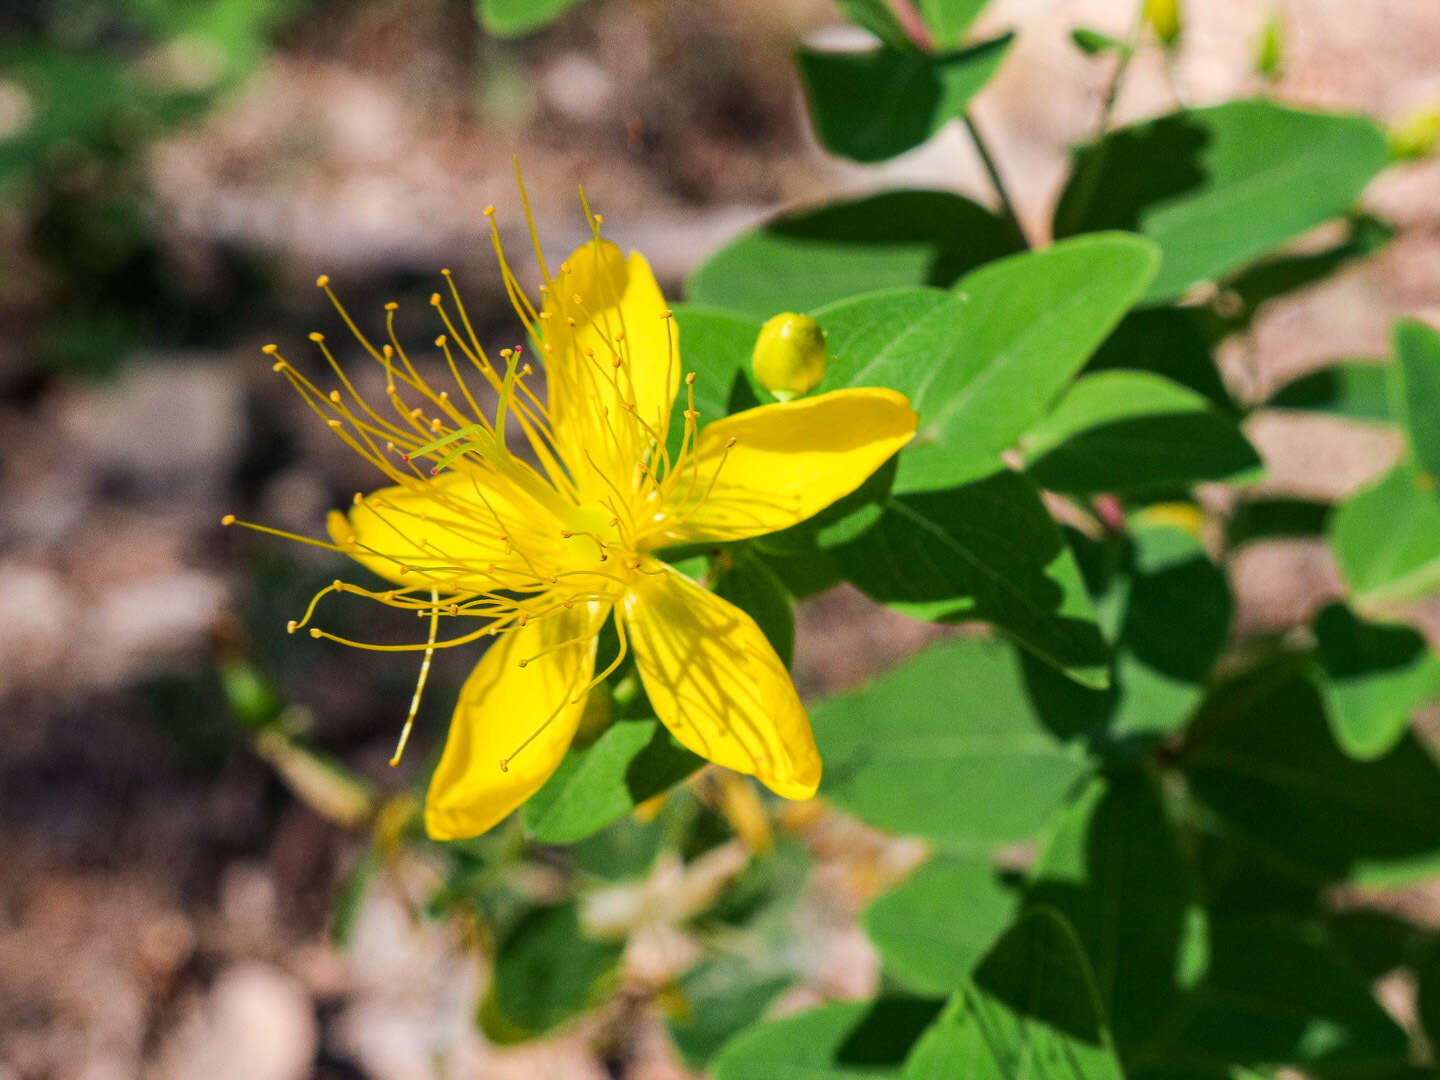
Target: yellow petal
788 461
524 717
438 524
717 684
621 315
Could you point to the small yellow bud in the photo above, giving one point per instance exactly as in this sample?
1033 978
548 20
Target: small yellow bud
1164 18
789 355
1416 135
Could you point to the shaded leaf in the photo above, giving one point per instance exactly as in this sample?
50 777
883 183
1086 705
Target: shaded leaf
1168 341
1115 869
1261 757
1354 389
1263 519
945 746
1131 431
748 583
872 105
1386 538
1416 391
1375 676
847 1041
546 971
1219 187
512 18
932 929
807 258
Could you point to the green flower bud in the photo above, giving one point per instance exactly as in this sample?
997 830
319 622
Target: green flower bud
1164 18
1416 135
1270 56
789 355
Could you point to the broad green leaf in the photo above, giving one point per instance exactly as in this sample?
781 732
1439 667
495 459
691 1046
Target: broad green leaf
1169 341
807 258
1031 1013
1416 391
933 929
512 18
632 761
546 971
981 365
1261 757
946 746
1375 676
748 583
987 550
1131 431
947 20
1115 869
1219 187
1275 994
869 106
1387 538
863 1040
1354 389
720 997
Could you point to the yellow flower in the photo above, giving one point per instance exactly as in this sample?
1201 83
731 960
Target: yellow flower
545 545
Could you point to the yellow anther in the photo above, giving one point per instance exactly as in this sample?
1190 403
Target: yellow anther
445 272
335 396
489 211
315 631
228 519
690 379
576 298
316 336
730 442
441 341
789 357
520 663
392 306
270 350
290 626
322 280
278 366
667 313
435 299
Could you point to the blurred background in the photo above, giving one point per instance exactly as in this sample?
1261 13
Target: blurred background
174 174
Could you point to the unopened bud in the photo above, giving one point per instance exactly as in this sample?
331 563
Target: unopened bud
789 355
1164 18
1270 55
1416 135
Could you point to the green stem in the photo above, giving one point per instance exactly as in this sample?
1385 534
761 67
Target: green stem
993 171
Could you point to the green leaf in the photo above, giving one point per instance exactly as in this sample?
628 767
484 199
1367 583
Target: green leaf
933 929
1219 187
1260 756
801 260
1275 994
1428 997
869 106
1115 869
876 16
513 18
986 550
632 761
1168 341
546 971
1386 538
851 1041
1416 391
1354 389
1262 518
1243 295
947 20
946 746
1031 1013
722 996
749 584
981 365
1131 431
1093 42
1376 676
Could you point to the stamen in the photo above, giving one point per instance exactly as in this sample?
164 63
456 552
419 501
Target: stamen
420 682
